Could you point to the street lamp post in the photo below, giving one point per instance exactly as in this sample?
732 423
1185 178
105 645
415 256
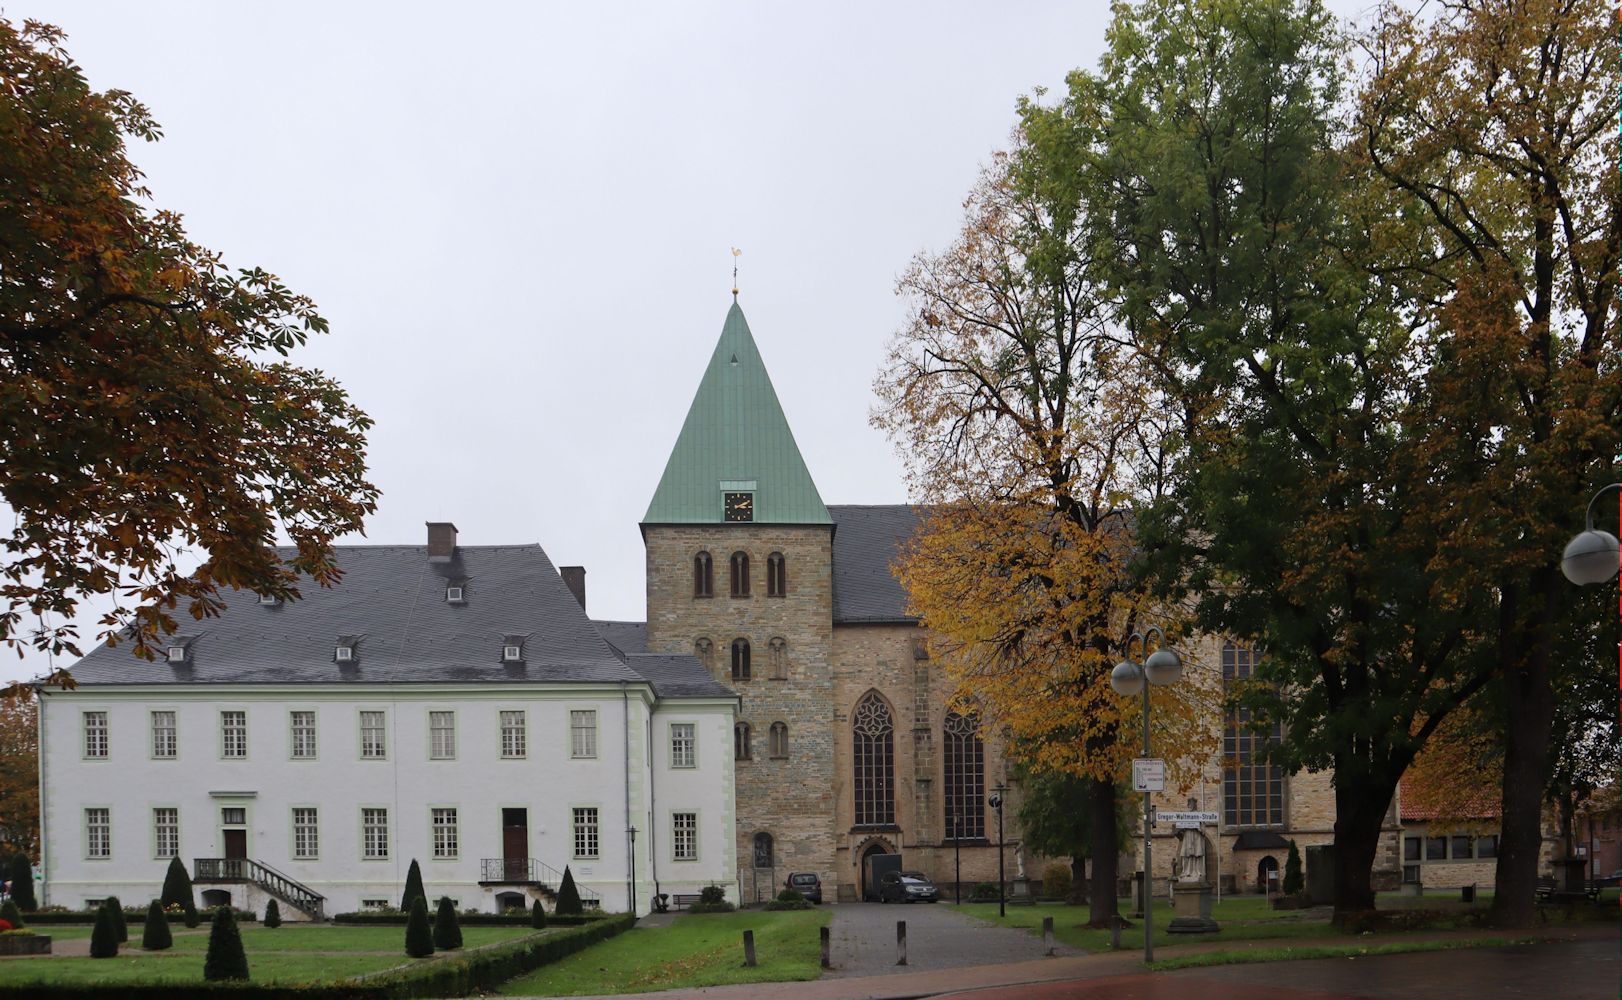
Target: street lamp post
1002 880
1162 667
1591 557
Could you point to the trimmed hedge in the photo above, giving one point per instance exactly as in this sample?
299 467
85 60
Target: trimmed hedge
516 919
484 969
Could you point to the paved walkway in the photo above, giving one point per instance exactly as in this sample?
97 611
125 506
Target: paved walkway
862 937
1545 969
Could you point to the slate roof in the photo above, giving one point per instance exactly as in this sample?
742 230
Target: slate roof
626 637
393 598
866 541
735 433
678 676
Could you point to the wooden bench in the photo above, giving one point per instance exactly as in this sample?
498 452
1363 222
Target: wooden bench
1546 891
682 900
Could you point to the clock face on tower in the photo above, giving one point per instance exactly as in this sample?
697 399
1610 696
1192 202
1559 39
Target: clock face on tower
740 506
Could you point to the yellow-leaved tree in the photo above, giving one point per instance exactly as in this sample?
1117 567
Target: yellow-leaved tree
1030 431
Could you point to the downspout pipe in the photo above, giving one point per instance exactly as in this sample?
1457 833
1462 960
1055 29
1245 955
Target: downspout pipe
39 734
630 827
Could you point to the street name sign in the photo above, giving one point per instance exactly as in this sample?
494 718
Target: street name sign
1179 818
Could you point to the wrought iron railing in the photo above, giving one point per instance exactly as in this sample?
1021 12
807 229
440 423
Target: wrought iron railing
531 871
265 877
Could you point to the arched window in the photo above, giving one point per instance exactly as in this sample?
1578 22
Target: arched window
703 576
1252 788
764 857
740 659
873 742
740 574
740 741
779 740
776 576
779 658
964 756
704 649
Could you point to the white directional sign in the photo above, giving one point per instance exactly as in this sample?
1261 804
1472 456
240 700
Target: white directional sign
1148 774
1180 818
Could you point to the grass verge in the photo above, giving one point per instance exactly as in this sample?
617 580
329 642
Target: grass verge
1247 956
1241 919
704 950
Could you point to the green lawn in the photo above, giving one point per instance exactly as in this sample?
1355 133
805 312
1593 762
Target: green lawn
1242 918
695 950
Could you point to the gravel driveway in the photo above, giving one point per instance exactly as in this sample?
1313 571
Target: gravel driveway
863 939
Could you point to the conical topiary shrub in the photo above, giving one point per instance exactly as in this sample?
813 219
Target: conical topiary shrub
176 886
537 915
273 914
447 932
568 904
22 883
104 937
226 959
1293 882
118 918
191 918
155 935
10 913
413 887
419 939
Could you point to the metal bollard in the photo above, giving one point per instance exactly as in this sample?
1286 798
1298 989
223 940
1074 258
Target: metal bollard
827 960
901 942
1047 935
1115 923
749 949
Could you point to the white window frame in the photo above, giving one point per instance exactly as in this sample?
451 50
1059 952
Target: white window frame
97 731
455 595
343 654
683 746
582 738
374 833
98 820
441 734
382 730
514 725
294 730
177 654
587 828
226 732
511 653
165 835
306 836
684 836
444 834
165 748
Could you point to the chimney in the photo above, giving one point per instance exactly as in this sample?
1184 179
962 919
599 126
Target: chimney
574 577
441 541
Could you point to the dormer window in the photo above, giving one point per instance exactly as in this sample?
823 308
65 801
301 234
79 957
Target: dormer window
179 649
343 654
512 654
269 600
177 654
454 595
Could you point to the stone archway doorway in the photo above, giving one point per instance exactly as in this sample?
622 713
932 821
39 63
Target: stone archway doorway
877 847
1266 873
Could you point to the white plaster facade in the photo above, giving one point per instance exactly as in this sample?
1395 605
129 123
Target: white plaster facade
630 781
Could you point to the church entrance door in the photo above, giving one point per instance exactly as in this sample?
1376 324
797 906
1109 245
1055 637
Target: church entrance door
862 869
515 845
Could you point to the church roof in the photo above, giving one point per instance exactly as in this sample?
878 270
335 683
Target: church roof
866 541
736 439
392 603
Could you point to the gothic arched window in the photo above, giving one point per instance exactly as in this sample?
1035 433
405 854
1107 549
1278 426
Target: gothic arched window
740 574
740 659
779 658
740 741
703 576
964 757
776 576
873 743
763 851
778 746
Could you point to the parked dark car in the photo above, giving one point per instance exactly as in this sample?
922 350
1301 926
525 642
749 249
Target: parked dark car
1613 879
907 887
806 884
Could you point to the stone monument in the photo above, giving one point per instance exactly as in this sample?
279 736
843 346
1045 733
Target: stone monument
1191 891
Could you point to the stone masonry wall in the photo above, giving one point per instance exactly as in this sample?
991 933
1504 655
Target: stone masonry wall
790 798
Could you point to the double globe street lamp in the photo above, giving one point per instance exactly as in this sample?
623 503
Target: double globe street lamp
1162 668
1591 557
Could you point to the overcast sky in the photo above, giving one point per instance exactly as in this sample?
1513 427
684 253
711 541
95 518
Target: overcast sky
517 219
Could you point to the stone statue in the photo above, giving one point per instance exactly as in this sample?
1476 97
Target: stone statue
1019 861
1191 857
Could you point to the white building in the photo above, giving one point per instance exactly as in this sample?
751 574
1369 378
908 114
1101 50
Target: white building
448 704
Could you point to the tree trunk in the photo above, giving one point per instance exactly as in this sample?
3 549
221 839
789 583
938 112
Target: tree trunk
1529 710
1101 905
1361 802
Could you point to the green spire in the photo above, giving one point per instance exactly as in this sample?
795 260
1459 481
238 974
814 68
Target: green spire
736 435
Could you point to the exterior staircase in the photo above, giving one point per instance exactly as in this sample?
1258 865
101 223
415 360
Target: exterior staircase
288 890
535 874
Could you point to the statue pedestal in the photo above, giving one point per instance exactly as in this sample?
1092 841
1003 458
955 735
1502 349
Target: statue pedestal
1191 908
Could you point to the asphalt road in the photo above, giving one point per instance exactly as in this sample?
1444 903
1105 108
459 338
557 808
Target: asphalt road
862 939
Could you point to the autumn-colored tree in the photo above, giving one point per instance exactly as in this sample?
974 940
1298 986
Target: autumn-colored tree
19 779
145 413
1490 126
1029 428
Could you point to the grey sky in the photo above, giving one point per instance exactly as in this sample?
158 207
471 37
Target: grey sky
518 217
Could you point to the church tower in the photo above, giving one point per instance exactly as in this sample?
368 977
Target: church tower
739 571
